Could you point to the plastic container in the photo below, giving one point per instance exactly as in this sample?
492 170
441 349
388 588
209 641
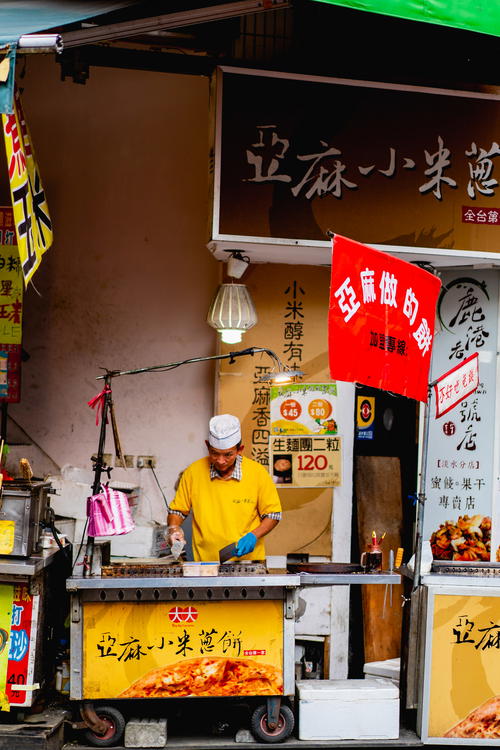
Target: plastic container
348 710
200 568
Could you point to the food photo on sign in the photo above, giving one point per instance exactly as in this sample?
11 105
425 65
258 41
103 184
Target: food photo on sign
304 447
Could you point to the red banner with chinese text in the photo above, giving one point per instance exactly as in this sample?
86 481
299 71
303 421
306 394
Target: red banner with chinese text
381 320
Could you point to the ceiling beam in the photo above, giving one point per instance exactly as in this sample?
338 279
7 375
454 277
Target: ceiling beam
94 34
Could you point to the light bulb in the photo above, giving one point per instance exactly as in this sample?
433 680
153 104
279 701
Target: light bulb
230 335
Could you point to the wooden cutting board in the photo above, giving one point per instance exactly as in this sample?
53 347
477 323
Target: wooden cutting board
379 506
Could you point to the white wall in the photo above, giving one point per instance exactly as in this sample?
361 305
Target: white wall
128 281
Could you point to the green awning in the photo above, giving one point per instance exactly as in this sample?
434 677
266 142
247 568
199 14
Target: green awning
472 15
31 16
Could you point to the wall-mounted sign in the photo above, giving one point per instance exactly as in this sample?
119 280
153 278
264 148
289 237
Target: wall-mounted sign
303 409
365 417
305 460
381 320
456 385
459 519
308 154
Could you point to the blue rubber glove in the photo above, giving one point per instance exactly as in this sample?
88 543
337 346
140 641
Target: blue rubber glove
246 544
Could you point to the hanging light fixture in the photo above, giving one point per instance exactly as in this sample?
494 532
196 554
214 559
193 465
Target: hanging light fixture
232 311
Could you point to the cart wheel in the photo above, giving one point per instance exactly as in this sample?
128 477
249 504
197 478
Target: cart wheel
261 731
114 732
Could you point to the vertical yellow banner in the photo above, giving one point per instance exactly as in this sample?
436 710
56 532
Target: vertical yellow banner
31 214
6 598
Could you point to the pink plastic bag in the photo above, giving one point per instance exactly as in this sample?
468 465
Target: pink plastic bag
109 513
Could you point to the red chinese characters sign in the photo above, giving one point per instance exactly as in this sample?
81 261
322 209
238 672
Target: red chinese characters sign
453 387
381 320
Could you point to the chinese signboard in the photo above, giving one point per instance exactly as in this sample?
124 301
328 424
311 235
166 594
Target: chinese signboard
291 303
306 460
462 670
381 320
303 409
459 484
23 634
308 155
31 215
11 309
456 385
178 649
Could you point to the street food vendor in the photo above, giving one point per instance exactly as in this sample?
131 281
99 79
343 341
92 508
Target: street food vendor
232 498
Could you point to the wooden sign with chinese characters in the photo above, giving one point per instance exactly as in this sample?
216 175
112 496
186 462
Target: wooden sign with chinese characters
308 154
178 649
381 320
459 519
31 214
305 460
291 302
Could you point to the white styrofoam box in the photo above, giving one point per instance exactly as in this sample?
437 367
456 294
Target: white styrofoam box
148 539
387 668
348 710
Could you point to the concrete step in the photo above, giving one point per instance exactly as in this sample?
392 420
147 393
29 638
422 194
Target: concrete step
44 731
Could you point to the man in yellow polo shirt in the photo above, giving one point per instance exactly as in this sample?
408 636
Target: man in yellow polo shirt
232 498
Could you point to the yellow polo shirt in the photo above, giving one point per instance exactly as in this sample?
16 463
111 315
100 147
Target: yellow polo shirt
225 510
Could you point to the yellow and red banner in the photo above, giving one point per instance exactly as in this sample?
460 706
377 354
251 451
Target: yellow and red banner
178 649
31 214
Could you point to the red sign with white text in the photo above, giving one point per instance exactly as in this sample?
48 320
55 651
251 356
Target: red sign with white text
453 387
381 320
23 635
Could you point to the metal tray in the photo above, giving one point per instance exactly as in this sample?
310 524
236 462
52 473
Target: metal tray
330 567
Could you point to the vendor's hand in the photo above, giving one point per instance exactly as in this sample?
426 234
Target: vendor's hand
246 544
175 534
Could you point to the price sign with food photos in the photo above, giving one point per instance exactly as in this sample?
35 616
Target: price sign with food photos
178 649
303 409
305 460
462 681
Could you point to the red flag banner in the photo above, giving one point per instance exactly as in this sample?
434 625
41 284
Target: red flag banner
381 319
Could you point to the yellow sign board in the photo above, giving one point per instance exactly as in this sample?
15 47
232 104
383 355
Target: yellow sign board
6 597
306 460
31 213
465 678
179 649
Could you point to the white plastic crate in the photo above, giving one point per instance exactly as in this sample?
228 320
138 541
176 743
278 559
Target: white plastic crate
348 710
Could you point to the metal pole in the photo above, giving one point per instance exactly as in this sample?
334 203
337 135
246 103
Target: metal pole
421 494
98 468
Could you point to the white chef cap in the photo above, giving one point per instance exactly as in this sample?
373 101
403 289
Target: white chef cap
224 431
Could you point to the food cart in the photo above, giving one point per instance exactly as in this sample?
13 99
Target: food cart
151 633
144 631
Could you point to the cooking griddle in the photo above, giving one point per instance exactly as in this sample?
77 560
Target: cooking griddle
328 567
157 570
